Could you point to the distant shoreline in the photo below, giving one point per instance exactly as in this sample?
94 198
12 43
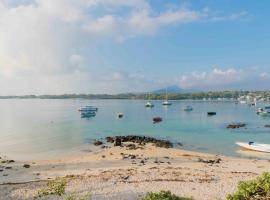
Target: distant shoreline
233 95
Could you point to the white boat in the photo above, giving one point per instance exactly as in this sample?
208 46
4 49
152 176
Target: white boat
166 102
265 113
88 109
188 108
253 146
259 110
149 104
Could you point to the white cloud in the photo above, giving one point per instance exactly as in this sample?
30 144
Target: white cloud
215 78
43 42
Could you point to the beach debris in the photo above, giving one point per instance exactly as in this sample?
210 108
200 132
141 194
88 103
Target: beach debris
210 161
157 120
98 143
26 166
236 125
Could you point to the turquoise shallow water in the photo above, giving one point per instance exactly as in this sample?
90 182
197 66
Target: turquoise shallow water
41 129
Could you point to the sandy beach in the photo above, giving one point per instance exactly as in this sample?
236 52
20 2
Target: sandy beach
114 172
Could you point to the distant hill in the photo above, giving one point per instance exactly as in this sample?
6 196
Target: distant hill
173 89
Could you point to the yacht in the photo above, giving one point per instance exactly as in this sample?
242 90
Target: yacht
188 108
166 102
149 103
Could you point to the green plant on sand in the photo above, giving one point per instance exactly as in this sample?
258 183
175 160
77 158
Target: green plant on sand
256 189
53 187
163 195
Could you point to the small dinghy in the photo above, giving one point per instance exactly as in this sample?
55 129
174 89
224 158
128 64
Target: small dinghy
211 113
120 115
253 146
157 120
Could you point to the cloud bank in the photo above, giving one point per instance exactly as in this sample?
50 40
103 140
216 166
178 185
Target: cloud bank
44 43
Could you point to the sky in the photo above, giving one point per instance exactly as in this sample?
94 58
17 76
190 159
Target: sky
116 46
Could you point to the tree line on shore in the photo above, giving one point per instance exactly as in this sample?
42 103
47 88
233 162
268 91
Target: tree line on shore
152 96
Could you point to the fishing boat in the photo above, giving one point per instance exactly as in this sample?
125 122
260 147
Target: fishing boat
88 109
166 102
188 108
253 146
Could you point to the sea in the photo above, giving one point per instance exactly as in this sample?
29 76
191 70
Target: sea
32 129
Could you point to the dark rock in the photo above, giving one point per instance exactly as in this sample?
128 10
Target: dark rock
110 139
131 146
118 141
179 144
234 126
140 140
98 143
8 167
132 156
26 166
10 161
267 126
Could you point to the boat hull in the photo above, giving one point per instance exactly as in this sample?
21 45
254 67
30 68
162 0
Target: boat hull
254 147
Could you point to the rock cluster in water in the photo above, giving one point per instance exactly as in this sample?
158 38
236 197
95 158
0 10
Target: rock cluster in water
142 140
234 126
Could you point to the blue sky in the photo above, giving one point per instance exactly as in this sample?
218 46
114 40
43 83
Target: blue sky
114 46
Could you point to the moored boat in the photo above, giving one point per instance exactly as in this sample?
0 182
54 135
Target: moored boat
157 120
211 113
166 102
88 109
253 146
149 104
188 108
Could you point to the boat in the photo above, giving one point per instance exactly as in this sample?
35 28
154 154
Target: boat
265 113
259 110
253 146
120 115
157 120
211 113
188 108
166 102
267 107
149 103
88 114
88 109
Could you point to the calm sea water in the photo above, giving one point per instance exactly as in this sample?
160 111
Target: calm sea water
42 129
